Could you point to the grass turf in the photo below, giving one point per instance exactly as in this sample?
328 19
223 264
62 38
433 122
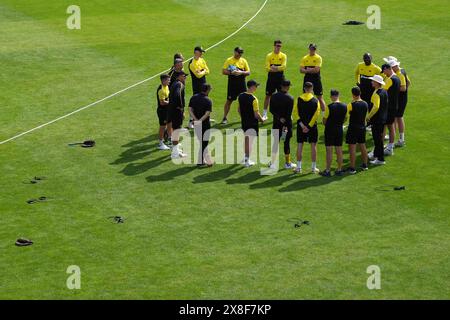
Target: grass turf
220 233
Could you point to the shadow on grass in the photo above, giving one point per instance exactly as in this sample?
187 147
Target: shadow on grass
170 175
137 150
218 175
247 178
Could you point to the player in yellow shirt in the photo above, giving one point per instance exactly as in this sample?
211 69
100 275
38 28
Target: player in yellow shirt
162 95
237 69
275 66
364 71
310 66
405 82
199 70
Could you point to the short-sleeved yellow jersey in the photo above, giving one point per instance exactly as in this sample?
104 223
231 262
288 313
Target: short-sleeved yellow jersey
240 63
274 59
311 61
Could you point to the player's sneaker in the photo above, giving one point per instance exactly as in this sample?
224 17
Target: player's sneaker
162 146
224 121
378 162
364 167
388 152
298 170
289 165
325 173
339 173
371 155
249 163
351 170
400 144
315 170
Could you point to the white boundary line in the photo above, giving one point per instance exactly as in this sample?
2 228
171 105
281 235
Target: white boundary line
133 85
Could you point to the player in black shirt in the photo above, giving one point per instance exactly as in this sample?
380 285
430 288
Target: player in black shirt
281 106
333 119
356 133
200 108
393 89
176 110
377 117
249 112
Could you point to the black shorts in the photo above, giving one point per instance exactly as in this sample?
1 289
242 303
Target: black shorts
334 136
235 88
402 102
176 118
277 125
317 83
249 127
391 116
162 116
355 135
274 83
312 136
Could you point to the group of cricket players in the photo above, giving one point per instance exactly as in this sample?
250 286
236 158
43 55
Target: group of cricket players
379 100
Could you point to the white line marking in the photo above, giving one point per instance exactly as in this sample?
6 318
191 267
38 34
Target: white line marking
132 86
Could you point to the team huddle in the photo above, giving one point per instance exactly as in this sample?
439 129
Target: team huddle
378 104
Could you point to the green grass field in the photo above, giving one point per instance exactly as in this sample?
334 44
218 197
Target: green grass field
219 233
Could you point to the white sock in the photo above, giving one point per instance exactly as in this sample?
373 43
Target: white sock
402 136
161 141
299 164
313 165
391 146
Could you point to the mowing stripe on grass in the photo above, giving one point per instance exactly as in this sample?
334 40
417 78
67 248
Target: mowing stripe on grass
133 85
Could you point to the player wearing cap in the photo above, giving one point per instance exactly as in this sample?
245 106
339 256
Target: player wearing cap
200 108
356 133
307 111
378 109
236 68
310 65
178 61
162 95
281 106
176 110
250 116
393 89
333 119
405 82
365 70
199 70
275 66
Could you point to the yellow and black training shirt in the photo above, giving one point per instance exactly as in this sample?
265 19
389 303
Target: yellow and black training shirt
364 71
248 105
309 61
357 113
378 107
197 65
276 59
335 113
307 110
162 94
